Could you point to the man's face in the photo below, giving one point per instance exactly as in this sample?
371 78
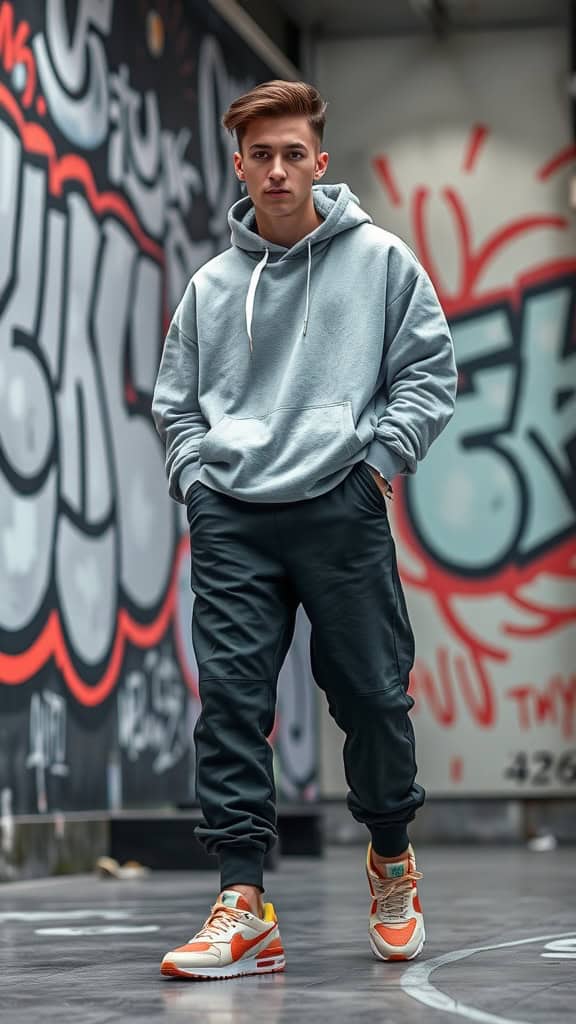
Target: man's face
280 161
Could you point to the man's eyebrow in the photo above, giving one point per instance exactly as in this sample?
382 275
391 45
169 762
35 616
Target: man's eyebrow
268 145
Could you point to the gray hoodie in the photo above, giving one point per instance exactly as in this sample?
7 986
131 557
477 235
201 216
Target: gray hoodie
284 367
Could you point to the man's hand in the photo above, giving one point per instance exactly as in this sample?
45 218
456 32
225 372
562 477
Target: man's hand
383 485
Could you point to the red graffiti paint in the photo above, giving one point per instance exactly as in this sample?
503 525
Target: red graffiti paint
477 139
557 162
440 685
555 703
449 685
14 50
382 167
51 644
76 170
472 263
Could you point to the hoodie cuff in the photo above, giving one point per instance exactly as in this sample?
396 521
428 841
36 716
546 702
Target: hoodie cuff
386 462
187 477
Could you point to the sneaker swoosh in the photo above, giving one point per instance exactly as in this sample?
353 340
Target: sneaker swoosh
239 945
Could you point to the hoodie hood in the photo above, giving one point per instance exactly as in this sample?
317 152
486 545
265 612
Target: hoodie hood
338 207
336 204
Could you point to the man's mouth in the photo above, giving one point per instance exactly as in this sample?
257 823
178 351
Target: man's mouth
278 191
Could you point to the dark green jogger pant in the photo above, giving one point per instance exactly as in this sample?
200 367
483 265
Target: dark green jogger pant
252 565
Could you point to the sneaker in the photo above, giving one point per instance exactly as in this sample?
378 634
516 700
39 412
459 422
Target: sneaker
233 941
396 923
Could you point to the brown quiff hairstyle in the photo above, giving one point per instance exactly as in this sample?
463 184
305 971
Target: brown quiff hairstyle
276 99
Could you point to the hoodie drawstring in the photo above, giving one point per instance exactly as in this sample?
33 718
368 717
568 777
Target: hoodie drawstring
251 296
308 287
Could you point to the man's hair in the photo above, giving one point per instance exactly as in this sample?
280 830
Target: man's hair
276 99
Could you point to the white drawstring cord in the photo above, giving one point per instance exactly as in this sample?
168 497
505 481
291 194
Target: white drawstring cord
252 295
308 287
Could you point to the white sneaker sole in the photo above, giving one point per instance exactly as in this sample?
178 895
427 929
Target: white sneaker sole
261 964
398 955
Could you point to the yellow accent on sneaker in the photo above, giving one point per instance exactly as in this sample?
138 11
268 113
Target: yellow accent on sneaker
232 942
269 912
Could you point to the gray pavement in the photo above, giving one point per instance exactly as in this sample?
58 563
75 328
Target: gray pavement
86 950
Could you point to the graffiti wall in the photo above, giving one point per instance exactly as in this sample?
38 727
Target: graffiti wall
115 180
468 160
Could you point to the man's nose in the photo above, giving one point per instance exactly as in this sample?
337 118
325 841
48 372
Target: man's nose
277 169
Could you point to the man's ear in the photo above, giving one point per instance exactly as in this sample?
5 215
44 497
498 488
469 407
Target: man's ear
321 166
238 167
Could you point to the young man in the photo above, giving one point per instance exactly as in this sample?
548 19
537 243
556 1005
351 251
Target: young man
305 368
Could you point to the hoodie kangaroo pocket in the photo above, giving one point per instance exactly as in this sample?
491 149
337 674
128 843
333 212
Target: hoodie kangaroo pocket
279 453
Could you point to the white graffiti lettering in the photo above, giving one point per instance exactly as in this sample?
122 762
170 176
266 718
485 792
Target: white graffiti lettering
216 89
155 713
6 821
70 483
94 105
47 741
73 70
103 222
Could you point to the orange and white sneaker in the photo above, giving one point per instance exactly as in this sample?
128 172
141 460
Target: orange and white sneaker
396 923
233 941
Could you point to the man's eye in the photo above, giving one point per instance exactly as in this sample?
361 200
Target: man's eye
261 153
296 155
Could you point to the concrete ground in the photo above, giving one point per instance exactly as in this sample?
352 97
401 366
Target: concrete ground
501 946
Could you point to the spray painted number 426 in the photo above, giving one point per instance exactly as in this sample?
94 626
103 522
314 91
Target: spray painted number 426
542 768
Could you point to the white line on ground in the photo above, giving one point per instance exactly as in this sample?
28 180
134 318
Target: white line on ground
415 981
100 929
35 916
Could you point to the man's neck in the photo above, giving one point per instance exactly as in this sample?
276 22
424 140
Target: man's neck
287 231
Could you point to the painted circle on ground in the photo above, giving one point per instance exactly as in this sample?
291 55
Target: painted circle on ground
415 980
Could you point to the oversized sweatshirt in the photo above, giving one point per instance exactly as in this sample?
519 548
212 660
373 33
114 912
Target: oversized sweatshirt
283 367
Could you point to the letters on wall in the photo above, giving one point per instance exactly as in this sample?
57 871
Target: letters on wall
115 181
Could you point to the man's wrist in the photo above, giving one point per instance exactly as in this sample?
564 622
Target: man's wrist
385 486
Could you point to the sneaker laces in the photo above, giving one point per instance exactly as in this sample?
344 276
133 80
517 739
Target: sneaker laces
392 895
218 923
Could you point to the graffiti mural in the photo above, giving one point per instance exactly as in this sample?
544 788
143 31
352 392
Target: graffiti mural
113 190
486 528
